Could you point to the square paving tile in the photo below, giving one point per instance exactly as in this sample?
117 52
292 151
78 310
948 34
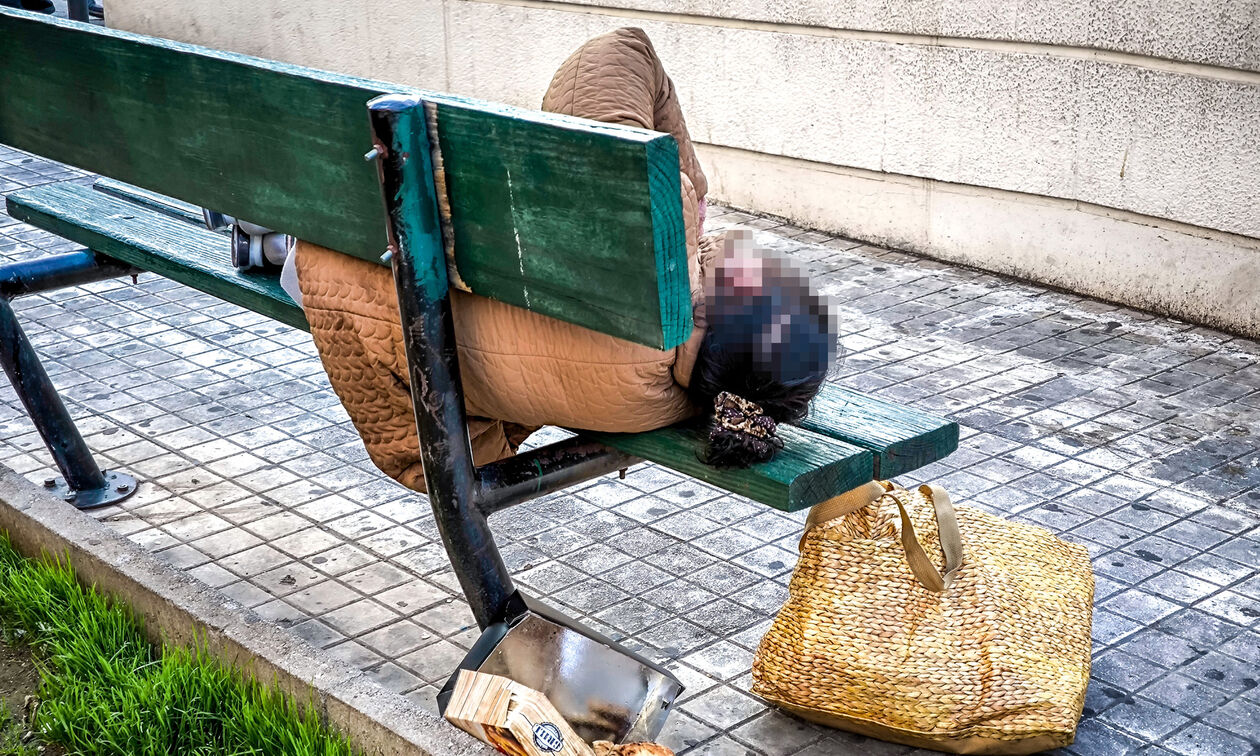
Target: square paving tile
723 707
360 617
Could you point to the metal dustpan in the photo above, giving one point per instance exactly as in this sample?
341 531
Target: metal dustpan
604 691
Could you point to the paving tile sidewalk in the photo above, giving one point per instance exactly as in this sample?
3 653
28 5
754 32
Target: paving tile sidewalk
1132 434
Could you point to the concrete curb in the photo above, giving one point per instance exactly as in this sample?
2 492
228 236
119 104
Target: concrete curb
180 610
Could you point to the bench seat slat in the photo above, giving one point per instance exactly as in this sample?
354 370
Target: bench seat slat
902 438
848 439
152 200
153 241
810 468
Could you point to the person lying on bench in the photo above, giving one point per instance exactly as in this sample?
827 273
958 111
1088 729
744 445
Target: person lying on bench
760 351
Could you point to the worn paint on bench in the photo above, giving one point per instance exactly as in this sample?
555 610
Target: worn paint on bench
850 437
153 241
571 218
810 468
902 438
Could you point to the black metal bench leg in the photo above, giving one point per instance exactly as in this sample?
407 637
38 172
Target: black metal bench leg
462 495
83 483
418 257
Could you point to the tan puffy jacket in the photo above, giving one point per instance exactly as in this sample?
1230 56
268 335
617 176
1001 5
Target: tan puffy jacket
520 369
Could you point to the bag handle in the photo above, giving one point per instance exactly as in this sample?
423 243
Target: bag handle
951 540
916 557
839 506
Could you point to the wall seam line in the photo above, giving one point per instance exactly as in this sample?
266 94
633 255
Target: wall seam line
978 190
1043 49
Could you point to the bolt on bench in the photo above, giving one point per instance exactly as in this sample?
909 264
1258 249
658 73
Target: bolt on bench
529 193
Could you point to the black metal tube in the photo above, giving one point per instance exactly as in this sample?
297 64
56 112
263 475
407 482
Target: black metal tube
77 10
44 407
401 138
58 271
538 472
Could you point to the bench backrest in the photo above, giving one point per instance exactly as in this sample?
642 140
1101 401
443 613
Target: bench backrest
571 218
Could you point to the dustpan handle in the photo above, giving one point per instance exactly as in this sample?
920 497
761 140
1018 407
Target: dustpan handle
951 540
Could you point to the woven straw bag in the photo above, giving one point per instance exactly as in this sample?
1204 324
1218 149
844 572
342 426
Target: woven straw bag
989 655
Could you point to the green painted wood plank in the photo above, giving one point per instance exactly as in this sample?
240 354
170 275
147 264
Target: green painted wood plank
810 468
572 218
902 438
152 241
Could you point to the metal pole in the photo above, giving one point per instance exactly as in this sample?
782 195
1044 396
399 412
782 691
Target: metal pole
58 272
77 10
402 146
83 483
535 473
44 406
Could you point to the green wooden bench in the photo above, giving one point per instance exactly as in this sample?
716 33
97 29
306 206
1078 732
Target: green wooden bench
529 193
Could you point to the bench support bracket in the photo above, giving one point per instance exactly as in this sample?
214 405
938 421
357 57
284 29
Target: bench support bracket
400 135
82 482
462 495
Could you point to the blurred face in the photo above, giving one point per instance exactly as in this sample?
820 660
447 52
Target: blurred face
739 273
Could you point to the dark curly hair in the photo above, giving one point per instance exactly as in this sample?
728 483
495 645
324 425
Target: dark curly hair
770 341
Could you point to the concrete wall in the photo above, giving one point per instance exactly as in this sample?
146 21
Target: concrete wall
1112 148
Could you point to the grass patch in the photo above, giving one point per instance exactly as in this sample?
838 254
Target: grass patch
106 690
